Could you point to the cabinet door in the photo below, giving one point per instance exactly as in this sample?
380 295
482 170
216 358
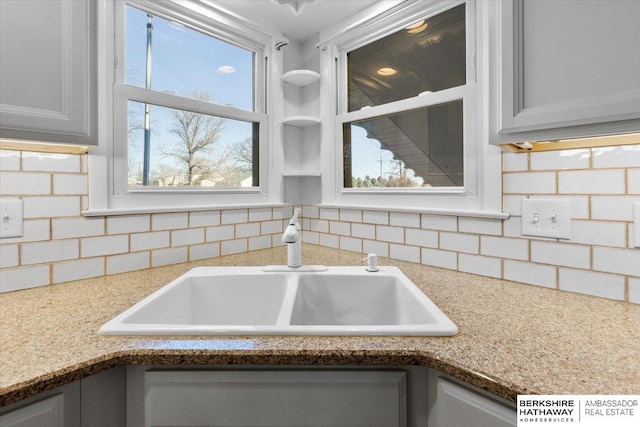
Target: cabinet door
275 398
570 65
453 405
47 71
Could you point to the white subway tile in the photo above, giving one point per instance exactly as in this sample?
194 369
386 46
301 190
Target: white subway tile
306 224
329 240
329 213
375 247
220 232
633 181
341 228
634 290
375 217
592 182
622 156
528 272
592 283
33 230
438 258
365 231
84 202
169 221
128 224
276 240
512 204
599 233
459 242
620 261
9 160
70 184
237 246
205 251
78 269
515 162
146 241
424 238
23 183
54 250
234 216
350 244
248 229
283 213
270 227
480 226
482 265
128 262
204 218
404 252
107 245
84 163
260 214
512 227
440 222
168 256
390 234
190 236
529 182
14 279
9 256
613 208
65 228
319 225
562 254
310 211
50 162
49 207
307 237
259 242
351 215
404 219
579 204
504 247
562 159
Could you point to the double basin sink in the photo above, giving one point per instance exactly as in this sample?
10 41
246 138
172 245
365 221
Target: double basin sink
259 301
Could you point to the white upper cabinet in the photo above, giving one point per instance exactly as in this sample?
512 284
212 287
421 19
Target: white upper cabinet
568 69
48 88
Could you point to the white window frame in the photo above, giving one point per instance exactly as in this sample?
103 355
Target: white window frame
109 193
481 194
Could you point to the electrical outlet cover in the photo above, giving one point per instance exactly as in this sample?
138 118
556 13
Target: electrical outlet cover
10 218
546 218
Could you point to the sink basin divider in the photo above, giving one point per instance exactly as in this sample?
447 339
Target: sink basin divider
286 310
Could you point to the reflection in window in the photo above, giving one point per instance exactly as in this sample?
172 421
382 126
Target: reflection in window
189 149
429 55
417 148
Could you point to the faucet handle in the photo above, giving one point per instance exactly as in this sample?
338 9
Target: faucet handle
372 259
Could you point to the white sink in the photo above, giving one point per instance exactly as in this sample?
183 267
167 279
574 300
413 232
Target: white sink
251 301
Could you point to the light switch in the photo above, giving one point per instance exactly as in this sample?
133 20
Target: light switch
10 218
636 225
546 218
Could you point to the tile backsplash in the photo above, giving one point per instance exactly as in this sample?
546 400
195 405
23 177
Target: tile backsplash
61 245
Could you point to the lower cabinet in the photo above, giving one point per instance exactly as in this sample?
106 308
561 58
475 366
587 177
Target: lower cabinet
455 404
55 408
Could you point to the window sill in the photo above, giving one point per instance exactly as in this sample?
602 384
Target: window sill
172 209
431 211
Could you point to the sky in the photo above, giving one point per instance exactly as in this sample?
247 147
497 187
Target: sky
185 61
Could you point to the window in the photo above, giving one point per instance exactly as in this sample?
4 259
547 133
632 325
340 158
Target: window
408 130
190 93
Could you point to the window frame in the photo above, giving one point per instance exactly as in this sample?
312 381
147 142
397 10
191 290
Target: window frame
481 193
113 195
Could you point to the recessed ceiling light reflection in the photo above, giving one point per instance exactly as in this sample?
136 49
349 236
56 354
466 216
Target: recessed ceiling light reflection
387 71
417 27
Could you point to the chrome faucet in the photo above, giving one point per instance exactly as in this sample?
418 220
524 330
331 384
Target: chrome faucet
292 238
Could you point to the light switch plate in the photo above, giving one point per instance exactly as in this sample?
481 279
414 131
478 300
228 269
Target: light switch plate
546 218
636 225
10 218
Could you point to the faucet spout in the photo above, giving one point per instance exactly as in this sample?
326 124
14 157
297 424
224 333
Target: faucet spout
291 237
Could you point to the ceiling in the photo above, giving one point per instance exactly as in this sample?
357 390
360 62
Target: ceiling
309 21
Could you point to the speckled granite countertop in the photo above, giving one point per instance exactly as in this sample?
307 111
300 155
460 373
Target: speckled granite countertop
513 338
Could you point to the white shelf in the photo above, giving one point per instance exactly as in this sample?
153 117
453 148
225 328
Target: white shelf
301 121
301 78
301 173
